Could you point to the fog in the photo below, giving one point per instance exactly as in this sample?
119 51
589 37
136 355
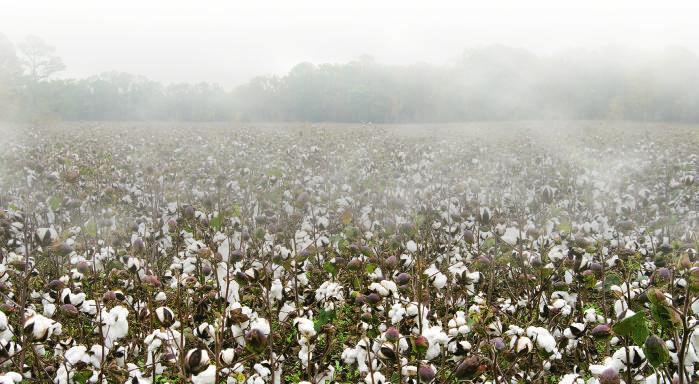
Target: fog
354 62
369 192
229 42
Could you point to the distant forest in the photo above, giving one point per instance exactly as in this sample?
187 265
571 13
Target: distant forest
489 83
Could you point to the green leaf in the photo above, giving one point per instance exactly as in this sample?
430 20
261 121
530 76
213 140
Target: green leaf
633 327
324 317
488 243
370 267
54 203
276 172
356 283
352 233
342 244
82 377
90 228
611 279
216 223
259 233
665 316
565 226
236 210
331 268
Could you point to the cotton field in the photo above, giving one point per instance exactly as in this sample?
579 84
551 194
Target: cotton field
478 253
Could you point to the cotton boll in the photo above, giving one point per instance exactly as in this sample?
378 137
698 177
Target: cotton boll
11 378
375 378
436 277
208 376
397 313
275 292
75 355
328 293
439 281
137 376
521 344
227 355
121 354
165 316
205 332
196 360
543 338
378 288
572 378
286 309
41 328
305 354
67 297
436 339
5 328
115 325
89 307
305 327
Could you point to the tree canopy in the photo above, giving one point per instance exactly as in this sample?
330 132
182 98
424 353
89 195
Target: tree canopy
489 83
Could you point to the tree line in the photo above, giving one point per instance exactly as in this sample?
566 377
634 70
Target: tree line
489 83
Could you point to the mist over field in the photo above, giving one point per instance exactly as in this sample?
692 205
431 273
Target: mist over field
325 192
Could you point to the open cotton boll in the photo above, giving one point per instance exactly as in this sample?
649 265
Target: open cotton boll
227 355
543 338
275 291
286 310
68 297
136 376
115 325
396 313
511 236
41 328
591 316
262 325
305 354
380 289
436 277
208 376
375 378
75 355
89 307
96 355
521 343
11 378
305 327
572 378
439 280
205 332
437 339
329 291
5 328
618 360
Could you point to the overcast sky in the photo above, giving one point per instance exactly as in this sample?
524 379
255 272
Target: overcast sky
231 41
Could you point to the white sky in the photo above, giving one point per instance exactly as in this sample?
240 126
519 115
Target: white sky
231 41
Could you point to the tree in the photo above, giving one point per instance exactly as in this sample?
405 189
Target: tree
9 69
39 59
39 62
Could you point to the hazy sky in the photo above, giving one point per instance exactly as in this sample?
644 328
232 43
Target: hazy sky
230 41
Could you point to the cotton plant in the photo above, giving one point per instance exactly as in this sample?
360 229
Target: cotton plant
353 258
